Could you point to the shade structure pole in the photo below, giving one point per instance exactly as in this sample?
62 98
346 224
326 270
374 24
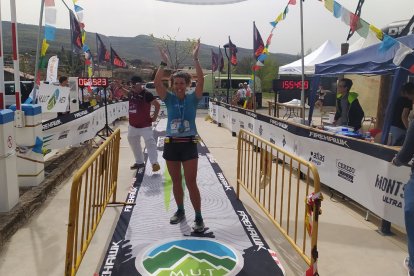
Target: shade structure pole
302 94
15 44
2 90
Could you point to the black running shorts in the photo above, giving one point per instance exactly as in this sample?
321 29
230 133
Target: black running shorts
183 151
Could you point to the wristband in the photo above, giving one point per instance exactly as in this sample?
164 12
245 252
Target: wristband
163 64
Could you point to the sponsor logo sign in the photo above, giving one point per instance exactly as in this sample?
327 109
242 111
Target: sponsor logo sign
111 258
189 257
393 190
345 171
328 138
278 124
317 158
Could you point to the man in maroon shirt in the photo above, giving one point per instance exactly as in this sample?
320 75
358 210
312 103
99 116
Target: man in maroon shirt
140 124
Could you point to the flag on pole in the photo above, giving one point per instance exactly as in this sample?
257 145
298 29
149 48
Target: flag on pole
76 34
102 52
233 52
257 42
220 61
116 60
214 61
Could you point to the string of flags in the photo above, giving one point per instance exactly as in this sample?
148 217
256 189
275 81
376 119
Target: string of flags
82 36
49 34
262 55
363 28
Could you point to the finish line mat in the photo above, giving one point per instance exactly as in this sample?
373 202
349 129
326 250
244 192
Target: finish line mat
145 243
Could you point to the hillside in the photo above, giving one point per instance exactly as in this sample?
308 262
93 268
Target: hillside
139 47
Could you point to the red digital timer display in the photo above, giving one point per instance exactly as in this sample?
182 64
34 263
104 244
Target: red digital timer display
283 84
100 82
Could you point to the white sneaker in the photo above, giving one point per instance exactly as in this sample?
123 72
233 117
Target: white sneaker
406 262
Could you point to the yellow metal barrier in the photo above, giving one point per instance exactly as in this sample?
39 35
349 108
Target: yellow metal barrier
280 183
92 187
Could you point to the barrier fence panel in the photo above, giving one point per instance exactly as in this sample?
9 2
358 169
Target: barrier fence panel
92 188
286 187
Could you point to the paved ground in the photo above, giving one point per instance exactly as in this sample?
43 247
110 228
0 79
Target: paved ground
348 244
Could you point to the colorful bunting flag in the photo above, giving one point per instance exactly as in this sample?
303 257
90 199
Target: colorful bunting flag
45 46
337 10
362 28
387 43
50 15
354 20
50 32
401 53
377 32
329 5
49 3
77 8
403 57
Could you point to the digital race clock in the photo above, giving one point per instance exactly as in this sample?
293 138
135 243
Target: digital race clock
291 84
98 81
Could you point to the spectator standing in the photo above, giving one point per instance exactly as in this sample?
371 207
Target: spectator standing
402 108
140 124
64 82
348 110
241 94
404 156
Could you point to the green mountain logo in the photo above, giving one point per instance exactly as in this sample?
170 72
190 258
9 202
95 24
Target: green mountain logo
191 257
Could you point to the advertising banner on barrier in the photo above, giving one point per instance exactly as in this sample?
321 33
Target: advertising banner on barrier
53 98
358 169
74 128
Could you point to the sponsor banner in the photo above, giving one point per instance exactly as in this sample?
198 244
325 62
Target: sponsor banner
213 111
52 69
230 245
53 98
78 127
360 170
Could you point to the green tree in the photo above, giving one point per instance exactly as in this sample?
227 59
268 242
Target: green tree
267 74
244 66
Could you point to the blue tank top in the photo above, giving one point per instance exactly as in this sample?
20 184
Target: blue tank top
181 114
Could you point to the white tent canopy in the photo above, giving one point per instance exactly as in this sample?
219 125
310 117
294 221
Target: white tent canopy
325 52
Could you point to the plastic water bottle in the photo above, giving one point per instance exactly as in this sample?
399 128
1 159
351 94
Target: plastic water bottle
389 140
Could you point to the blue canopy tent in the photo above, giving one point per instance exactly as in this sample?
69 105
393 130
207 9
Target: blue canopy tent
368 61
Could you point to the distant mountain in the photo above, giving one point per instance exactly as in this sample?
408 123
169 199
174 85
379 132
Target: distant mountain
140 47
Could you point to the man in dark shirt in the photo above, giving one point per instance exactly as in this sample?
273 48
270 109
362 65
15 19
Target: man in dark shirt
402 109
140 124
348 110
404 156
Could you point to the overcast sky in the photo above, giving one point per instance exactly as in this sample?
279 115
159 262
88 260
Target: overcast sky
213 24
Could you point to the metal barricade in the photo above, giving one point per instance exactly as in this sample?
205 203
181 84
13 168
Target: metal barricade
92 188
281 183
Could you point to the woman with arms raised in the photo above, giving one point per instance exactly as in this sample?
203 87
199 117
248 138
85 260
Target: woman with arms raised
180 147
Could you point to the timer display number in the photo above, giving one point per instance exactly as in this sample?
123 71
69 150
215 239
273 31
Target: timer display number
292 84
100 82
